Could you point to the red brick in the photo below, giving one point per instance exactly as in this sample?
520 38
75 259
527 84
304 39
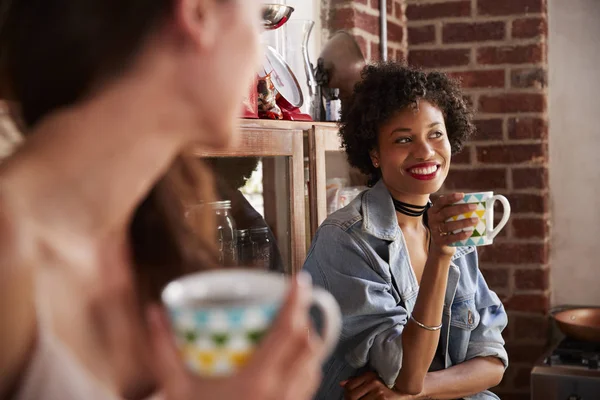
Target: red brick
480 79
375 52
530 327
513 54
509 7
532 279
515 253
439 58
478 179
347 18
464 157
525 78
536 303
496 278
528 203
395 32
391 53
526 178
438 10
472 32
512 103
398 13
488 129
527 128
529 27
530 228
469 100
400 56
511 154
421 34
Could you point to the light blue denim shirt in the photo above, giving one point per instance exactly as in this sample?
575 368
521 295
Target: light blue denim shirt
354 254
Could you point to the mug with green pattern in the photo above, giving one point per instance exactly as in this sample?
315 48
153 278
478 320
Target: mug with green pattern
219 317
484 232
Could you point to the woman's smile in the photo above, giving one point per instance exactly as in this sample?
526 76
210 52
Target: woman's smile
424 171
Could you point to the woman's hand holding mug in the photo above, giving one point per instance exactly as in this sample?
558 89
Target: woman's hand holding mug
443 232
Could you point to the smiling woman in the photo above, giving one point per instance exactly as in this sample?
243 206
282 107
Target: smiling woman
419 319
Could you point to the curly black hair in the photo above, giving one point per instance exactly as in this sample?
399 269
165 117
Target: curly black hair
384 90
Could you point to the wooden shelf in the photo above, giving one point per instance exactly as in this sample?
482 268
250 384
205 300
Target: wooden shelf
295 140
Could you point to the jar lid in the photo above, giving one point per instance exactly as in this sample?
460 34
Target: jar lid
221 205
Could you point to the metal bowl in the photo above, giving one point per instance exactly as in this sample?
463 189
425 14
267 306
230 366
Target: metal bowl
275 15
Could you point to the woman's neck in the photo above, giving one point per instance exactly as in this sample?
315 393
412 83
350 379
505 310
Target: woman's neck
408 221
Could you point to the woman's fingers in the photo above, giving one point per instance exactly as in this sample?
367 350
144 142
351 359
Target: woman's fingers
371 386
444 201
290 329
355 382
449 239
453 226
302 378
290 357
169 370
454 210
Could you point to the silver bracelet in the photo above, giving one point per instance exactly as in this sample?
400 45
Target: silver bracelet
429 328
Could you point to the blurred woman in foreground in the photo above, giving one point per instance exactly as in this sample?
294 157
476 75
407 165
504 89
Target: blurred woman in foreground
111 93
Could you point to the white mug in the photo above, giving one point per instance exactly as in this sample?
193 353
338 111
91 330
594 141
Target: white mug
220 316
484 232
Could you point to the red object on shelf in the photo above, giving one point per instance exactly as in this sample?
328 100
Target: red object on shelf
250 104
291 113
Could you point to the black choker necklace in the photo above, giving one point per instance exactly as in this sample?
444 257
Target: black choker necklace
409 209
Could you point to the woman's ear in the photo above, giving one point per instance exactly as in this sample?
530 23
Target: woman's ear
197 20
374 154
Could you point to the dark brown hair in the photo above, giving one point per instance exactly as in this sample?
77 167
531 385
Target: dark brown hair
52 55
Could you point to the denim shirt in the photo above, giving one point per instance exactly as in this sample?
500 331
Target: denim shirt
354 255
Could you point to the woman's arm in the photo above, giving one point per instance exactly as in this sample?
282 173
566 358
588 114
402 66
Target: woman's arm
463 380
420 344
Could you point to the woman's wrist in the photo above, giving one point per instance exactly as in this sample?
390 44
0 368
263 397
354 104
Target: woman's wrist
440 256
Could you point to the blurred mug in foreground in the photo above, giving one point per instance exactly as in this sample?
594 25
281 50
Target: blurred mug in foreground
219 317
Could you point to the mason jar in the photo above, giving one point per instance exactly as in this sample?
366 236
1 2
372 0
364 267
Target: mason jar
226 233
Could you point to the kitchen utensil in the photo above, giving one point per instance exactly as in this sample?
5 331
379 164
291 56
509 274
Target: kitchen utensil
275 15
289 97
295 53
340 64
579 323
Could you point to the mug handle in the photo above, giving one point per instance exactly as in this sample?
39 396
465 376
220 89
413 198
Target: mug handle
332 320
492 233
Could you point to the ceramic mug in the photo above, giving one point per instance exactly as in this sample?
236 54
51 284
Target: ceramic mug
484 232
219 317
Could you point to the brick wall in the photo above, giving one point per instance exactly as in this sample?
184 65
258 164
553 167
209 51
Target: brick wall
498 50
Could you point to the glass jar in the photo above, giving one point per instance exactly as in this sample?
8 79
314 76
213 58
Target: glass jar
263 248
245 248
226 233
